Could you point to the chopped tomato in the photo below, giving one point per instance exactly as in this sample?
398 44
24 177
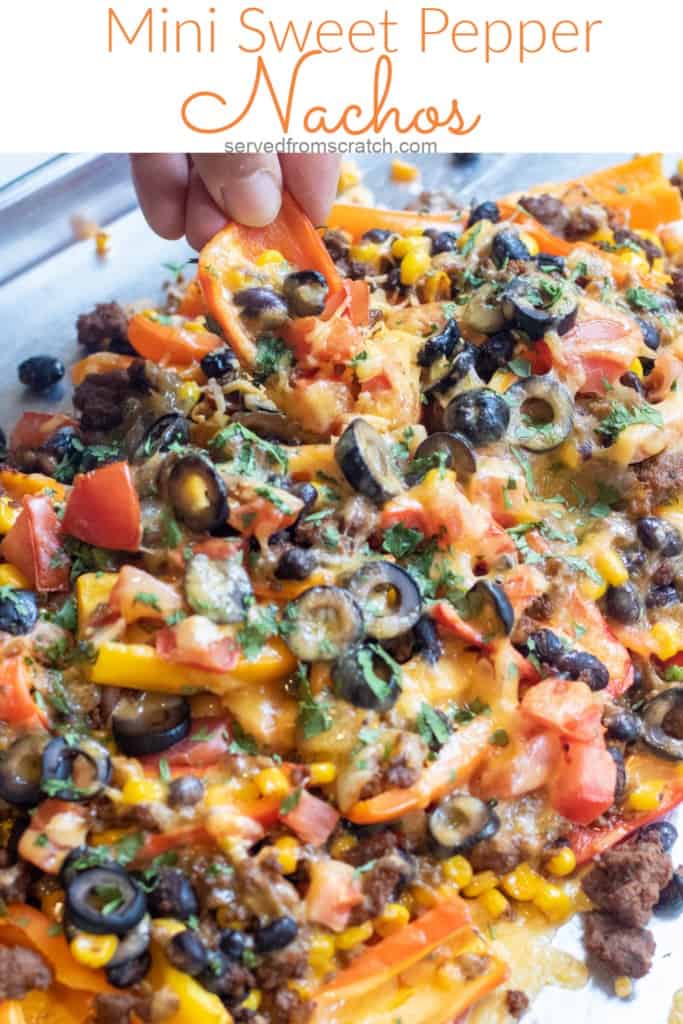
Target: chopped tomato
355 297
17 706
333 892
206 744
139 595
569 707
312 819
597 638
447 617
64 825
587 843
317 342
602 344
34 545
511 772
104 509
171 339
34 428
198 642
584 782
261 511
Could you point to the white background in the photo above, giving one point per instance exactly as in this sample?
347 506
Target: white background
63 91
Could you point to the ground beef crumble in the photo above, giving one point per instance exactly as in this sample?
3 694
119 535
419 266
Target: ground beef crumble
517 1002
624 951
106 327
626 881
22 970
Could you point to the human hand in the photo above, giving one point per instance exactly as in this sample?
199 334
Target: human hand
193 194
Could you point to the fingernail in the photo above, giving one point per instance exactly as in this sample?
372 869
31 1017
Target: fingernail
253 200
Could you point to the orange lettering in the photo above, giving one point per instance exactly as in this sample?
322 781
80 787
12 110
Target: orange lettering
147 17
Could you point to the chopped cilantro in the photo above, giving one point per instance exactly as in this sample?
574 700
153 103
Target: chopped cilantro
149 600
521 367
431 726
643 299
380 687
164 770
290 801
242 742
622 416
314 715
400 540
260 625
272 356
499 738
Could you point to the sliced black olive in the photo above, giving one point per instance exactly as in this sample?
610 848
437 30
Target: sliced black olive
305 292
452 451
550 264
197 493
187 952
671 897
507 245
148 723
104 900
18 611
583 666
365 460
84 769
439 345
620 784
487 210
325 621
276 935
460 821
20 771
494 354
219 588
539 303
367 677
40 373
622 725
663 723
541 413
484 310
172 428
173 895
651 334
480 415
134 945
484 598
296 564
129 973
185 791
263 307
657 535
222 362
623 603
427 640
390 599
442 376
666 832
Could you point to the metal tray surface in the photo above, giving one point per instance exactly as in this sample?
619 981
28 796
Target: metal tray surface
47 279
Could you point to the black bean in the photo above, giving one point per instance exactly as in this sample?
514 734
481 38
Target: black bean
667 832
40 373
546 645
220 363
336 244
651 335
487 210
234 943
658 535
671 896
185 791
622 725
507 245
296 564
173 896
442 241
130 972
187 952
584 666
623 603
276 935
633 381
307 493
377 235
662 597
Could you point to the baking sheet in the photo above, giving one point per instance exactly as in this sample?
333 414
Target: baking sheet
49 279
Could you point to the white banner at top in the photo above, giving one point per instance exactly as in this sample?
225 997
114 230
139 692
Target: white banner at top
205 75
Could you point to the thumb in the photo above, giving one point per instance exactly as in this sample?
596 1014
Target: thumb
247 188
312 180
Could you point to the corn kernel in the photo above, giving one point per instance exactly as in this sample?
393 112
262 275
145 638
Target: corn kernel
343 845
521 883
635 260
142 791
410 243
108 837
349 176
458 870
233 279
164 928
424 896
253 1000
269 256
591 589
93 950
272 782
321 952
287 850
530 242
9 514
365 252
668 638
352 937
406 900
402 171
102 242
637 368
12 577
552 901
480 884
197 326
468 236
611 567
414 266
569 455
322 772
189 392
502 380
494 903
562 862
623 987
436 287
302 988
602 235
447 891
394 917
646 797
